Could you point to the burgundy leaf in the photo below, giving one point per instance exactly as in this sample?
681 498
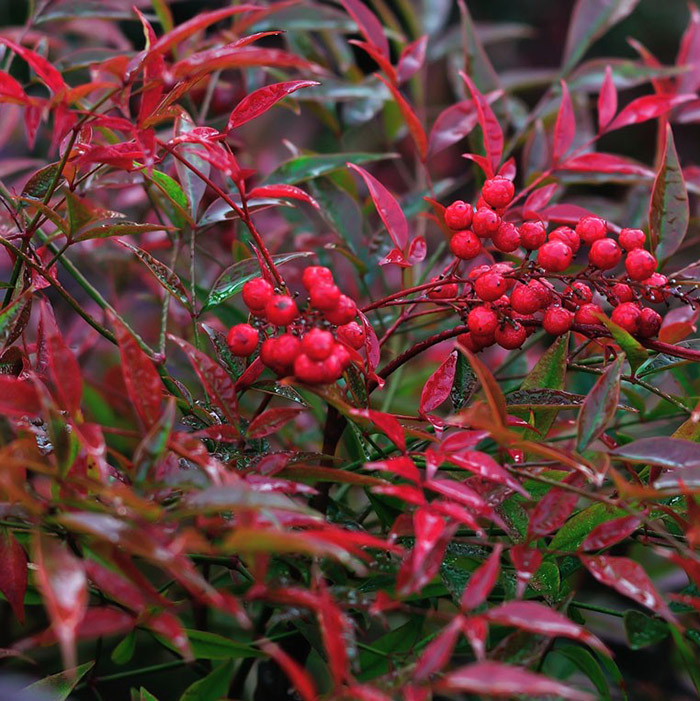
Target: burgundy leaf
610 532
438 652
538 198
552 511
261 100
412 59
116 586
13 573
412 122
18 397
271 421
526 561
565 126
689 54
439 385
538 618
605 163
629 579
379 58
607 100
386 423
452 125
402 466
368 24
482 581
645 108
283 191
485 466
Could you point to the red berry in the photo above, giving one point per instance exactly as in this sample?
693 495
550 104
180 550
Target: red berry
511 336
318 344
242 339
458 215
279 353
523 318
576 294
485 222
557 320
316 275
313 372
256 293
506 238
622 292
655 282
532 235
482 321
342 355
465 245
543 290
568 236
281 310
525 299
632 238
627 316
588 314
498 191
640 264
478 270
555 256
352 333
591 229
343 313
649 322
605 254
490 286
483 340
447 290
324 296
467 340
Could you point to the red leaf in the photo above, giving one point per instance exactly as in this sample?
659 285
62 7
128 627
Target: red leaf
404 492
219 387
482 581
412 58
171 628
485 466
10 89
438 652
417 250
605 163
283 191
689 54
497 679
538 198
271 421
610 532
402 466
379 58
395 257
13 573
537 618
526 562
386 423
452 125
565 126
301 680
201 21
18 397
629 579
457 491
260 100
336 631
607 100
63 584
115 586
552 511
142 380
439 385
645 108
370 27
491 129
51 77
409 116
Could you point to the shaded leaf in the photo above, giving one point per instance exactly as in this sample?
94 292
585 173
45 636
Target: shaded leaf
13 573
600 405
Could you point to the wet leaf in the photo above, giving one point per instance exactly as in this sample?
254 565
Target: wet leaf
600 405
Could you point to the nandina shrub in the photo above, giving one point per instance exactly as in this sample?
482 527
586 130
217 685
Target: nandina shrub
299 403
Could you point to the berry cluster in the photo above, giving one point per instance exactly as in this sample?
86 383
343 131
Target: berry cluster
316 344
504 301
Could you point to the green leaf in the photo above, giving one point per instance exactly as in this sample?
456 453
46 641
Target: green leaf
668 210
192 185
124 651
600 405
395 644
572 534
634 351
174 198
145 695
13 318
588 665
117 227
301 168
643 631
58 687
163 274
40 183
213 687
49 212
231 281
464 384
211 646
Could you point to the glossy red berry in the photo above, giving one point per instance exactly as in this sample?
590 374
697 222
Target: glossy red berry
485 222
557 320
447 290
576 294
490 286
280 353
532 235
313 372
632 238
482 321
281 310
324 296
257 293
640 264
555 256
483 340
591 229
627 316
352 333
316 275
588 314
568 236
649 323
506 238
605 254
498 191
543 290
242 339
511 336
655 285
465 245
525 299
458 215
343 313
467 340
622 292
318 344
342 355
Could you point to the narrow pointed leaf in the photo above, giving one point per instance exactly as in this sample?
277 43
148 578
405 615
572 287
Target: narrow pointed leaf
600 405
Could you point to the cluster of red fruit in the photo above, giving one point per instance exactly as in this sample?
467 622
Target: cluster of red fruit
315 345
512 301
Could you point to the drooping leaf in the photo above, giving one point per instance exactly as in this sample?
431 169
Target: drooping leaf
439 385
662 451
643 631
